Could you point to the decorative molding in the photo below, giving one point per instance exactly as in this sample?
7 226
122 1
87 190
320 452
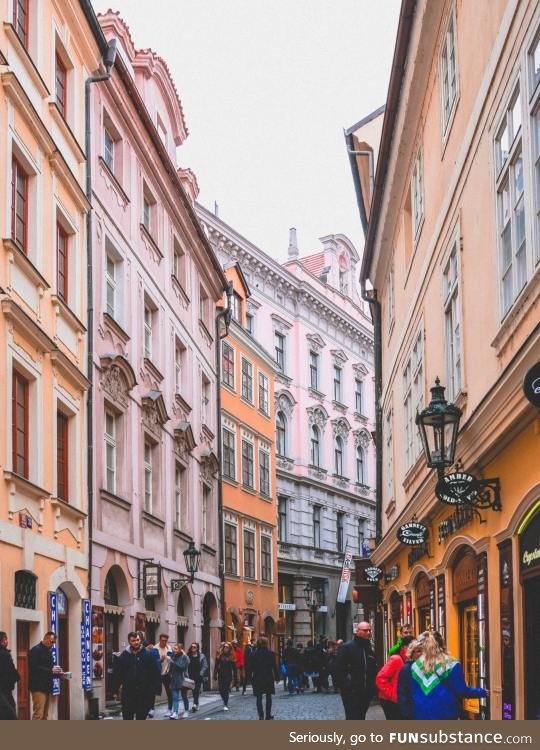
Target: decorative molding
317 472
338 357
280 324
154 413
317 415
362 438
117 378
284 401
209 466
282 462
316 343
341 428
184 440
360 369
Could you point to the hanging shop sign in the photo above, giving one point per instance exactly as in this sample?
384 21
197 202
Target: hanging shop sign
53 626
531 385
373 574
529 548
97 641
457 488
412 533
86 658
152 580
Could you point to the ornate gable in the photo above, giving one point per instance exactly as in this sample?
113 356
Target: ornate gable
209 465
362 439
339 356
315 342
184 439
317 415
285 402
360 369
154 412
341 428
117 378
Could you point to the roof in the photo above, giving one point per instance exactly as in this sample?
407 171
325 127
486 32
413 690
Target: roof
313 263
365 120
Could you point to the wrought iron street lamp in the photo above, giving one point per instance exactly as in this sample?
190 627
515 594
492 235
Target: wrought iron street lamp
313 598
192 556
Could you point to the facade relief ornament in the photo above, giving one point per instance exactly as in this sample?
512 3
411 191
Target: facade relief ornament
154 413
184 440
360 369
286 464
117 378
209 466
362 439
285 403
317 416
316 343
339 357
341 428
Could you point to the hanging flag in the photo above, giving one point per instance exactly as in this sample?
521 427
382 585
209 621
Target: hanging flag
345 577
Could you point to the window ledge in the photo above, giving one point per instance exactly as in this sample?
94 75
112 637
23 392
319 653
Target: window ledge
315 393
26 485
282 378
64 310
339 406
390 508
230 480
204 330
513 318
208 549
247 401
229 388
152 369
67 132
232 576
116 327
27 60
447 129
251 490
114 499
67 509
179 534
17 256
114 180
154 520
413 471
150 243
264 413
180 289
361 417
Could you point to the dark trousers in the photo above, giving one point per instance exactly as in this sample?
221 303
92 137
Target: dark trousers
224 687
268 705
391 710
132 711
7 706
197 690
355 704
166 682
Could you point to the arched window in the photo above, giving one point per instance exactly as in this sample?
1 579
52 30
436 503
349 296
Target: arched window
281 434
110 592
360 478
338 456
315 446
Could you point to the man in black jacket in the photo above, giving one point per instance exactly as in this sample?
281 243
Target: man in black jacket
8 679
40 675
355 671
136 672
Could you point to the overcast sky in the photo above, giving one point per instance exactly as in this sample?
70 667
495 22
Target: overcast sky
267 87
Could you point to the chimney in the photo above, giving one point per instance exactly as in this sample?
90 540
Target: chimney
216 209
293 246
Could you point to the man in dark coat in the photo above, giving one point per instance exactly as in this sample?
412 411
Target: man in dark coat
9 677
41 669
355 671
264 673
137 674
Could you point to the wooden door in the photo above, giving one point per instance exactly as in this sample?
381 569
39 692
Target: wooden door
63 660
23 647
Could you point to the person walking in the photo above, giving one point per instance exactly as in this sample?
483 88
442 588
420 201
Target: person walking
158 684
223 672
41 670
248 653
197 671
9 677
137 673
404 632
179 668
321 654
165 667
387 680
437 682
238 665
405 704
355 672
291 659
264 673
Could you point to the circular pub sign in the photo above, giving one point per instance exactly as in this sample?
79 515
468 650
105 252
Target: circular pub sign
373 574
531 385
412 533
457 488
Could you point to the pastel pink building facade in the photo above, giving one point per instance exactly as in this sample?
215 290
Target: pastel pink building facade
156 283
309 314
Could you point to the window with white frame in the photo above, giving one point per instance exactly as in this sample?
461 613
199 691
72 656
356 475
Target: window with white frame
338 456
237 307
206 511
448 72
361 535
149 449
227 364
249 554
340 531
264 472
264 397
314 370
206 388
113 282
148 328
359 395
417 193
316 525
266 558
108 149
281 434
179 263
282 519
250 323
112 147
179 358
279 349
389 454
229 454
248 479
338 385
534 115
413 396
247 380
390 298
179 479
110 452
452 327
149 211
315 446
231 549
360 467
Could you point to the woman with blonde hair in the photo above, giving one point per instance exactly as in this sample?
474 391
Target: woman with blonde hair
437 682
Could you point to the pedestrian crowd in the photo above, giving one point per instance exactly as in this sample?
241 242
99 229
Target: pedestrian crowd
420 679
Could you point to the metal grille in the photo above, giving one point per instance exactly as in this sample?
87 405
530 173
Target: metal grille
25 590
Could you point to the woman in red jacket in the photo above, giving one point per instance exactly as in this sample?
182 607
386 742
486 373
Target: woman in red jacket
238 664
387 681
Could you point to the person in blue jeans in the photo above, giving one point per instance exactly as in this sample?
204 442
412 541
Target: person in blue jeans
291 659
179 666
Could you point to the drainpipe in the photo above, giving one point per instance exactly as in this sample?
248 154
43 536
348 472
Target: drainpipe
108 62
222 317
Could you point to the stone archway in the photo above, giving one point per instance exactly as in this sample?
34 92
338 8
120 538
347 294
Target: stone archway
208 646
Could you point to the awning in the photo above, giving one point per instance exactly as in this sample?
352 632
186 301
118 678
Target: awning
112 609
152 616
182 622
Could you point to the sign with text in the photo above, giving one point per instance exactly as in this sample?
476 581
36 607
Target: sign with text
412 533
53 625
373 574
152 580
531 385
345 578
457 488
86 658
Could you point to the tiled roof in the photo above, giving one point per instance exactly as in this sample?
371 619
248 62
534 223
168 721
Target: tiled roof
313 263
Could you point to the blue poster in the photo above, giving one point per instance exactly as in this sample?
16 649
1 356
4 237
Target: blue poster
53 625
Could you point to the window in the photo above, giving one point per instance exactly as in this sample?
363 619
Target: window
110 452
206 514
204 308
179 264
282 519
179 476
108 149
279 347
511 204
247 464
337 384
448 73
20 20
111 283
162 132
264 472
249 554
247 380
266 559
62 456
314 370
25 589
19 422
281 434
361 535
231 554
227 364
229 451
452 324
264 403
19 205
417 193
534 108
250 323
388 457
344 281
147 213
340 531
338 456
413 398
179 354
390 298
358 395
205 399
148 322
360 478
315 446
316 526
62 263
148 476
61 85
237 307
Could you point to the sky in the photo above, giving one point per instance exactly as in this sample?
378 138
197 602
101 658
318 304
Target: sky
267 87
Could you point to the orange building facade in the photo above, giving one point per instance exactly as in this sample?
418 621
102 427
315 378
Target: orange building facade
248 477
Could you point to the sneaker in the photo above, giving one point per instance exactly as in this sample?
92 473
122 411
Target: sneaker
185 715
151 713
173 716
225 708
167 714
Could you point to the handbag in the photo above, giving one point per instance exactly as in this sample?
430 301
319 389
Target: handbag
188 683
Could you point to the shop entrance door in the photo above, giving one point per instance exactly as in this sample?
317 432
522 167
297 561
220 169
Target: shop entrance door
531 595
469 654
424 619
63 659
23 646
112 646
